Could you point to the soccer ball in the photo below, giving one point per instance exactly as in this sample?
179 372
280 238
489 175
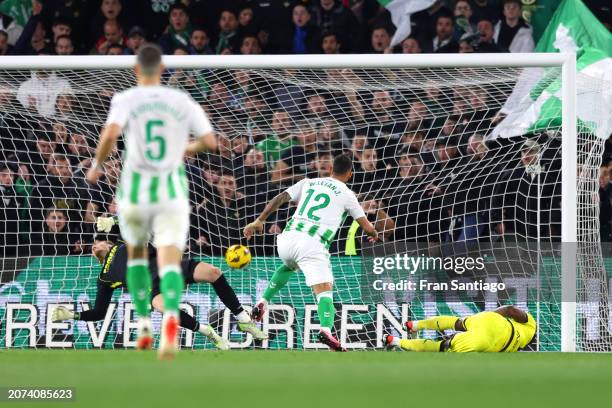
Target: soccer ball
238 256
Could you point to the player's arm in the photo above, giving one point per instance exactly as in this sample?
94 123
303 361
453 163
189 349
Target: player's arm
271 207
103 298
513 313
200 126
368 228
356 211
204 143
108 140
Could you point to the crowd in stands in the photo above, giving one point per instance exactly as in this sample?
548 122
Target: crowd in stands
115 27
422 168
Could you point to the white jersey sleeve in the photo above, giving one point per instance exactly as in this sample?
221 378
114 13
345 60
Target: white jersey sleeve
353 207
118 112
295 191
199 124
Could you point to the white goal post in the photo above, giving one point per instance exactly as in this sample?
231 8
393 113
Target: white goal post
565 62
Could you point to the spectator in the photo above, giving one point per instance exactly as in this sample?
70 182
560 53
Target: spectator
486 9
63 45
55 239
32 40
322 165
512 33
5 47
59 28
228 40
9 217
296 161
23 192
368 178
333 16
330 43
380 40
250 45
199 43
486 43
383 223
113 34
256 176
40 92
443 41
328 137
411 46
61 190
115 49
465 46
274 145
304 37
463 19
78 149
136 37
110 10
358 145
178 33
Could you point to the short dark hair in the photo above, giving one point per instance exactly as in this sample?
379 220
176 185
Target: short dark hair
149 58
179 6
342 164
62 37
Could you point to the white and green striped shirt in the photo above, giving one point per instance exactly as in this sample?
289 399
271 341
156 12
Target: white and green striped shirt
323 204
156 123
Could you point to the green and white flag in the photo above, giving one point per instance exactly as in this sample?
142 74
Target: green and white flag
401 10
18 10
535 104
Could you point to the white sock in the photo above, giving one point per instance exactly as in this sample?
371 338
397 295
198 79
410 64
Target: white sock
264 301
415 325
395 341
325 330
243 317
205 329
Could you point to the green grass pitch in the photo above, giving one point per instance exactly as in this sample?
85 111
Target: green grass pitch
289 379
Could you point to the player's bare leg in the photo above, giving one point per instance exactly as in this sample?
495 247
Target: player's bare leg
278 281
172 284
326 312
139 285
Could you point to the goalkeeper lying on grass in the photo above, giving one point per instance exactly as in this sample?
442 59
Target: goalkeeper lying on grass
506 329
113 258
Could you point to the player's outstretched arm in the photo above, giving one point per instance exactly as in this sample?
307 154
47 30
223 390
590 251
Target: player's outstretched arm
108 140
204 143
272 206
368 228
513 312
103 299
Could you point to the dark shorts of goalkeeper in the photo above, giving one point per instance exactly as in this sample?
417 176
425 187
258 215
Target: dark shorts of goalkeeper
188 267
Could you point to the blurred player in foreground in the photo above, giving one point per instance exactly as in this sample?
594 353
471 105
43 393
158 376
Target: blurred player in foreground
153 190
113 258
322 206
507 329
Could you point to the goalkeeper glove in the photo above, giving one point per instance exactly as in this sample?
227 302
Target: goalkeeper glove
61 313
105 224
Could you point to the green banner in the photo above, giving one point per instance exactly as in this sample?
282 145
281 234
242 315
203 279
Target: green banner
363 314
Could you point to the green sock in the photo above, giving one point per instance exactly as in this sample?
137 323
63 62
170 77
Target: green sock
326 310
139 285
172 284
278 281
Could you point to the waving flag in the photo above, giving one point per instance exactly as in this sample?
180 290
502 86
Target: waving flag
401 10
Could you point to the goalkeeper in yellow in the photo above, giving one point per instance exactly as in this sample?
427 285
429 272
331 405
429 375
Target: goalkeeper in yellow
506 329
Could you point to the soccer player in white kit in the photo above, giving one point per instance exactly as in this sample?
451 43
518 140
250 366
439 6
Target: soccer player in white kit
322 206
153 192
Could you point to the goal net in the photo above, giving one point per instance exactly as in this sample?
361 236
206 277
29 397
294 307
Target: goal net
470 215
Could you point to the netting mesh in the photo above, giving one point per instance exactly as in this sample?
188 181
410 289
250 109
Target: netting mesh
426 170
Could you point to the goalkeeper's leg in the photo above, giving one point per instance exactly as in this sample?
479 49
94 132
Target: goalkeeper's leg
195 271
439 323
278 281
189 322
139 286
